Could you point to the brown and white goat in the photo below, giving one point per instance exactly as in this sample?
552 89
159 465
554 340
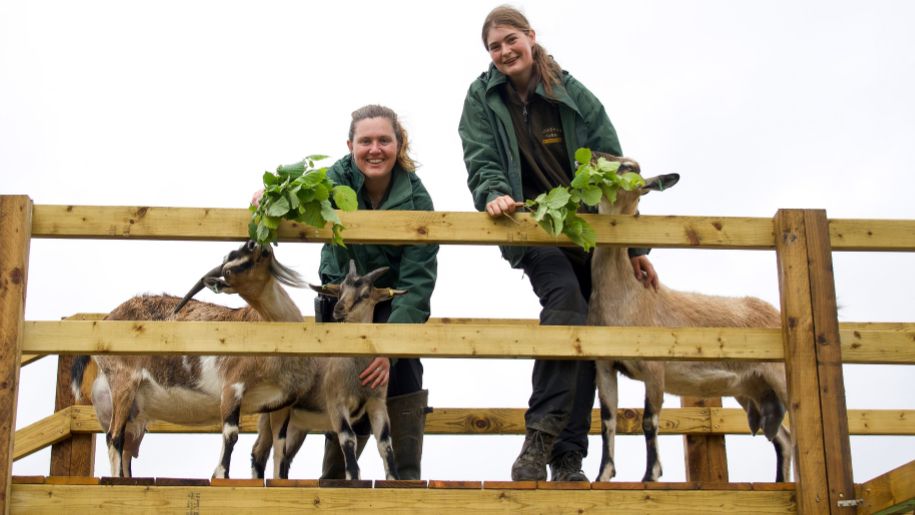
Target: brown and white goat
619 299
201 390
356 300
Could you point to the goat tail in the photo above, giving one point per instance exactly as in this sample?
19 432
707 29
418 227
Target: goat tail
82 375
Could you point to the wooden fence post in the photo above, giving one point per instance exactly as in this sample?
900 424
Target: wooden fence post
813 363
74 456
15 238
706 455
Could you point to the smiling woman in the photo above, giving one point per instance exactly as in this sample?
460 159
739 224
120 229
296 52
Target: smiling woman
380 170
522 122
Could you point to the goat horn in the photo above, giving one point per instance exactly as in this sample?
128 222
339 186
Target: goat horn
216 272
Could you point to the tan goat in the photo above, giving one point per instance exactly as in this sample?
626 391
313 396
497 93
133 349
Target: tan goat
619 299
284 432
201 390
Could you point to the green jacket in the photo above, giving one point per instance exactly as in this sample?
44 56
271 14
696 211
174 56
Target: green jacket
413 267
491 148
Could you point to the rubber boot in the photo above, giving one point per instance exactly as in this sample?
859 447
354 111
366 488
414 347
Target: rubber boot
408 423
334 466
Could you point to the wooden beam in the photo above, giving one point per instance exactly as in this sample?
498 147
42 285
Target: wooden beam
510 421
800 363
38 435
803 273
74 456
877 343
15 238
49 498
706 455
394 227
833 410
882 235
213 224
447 340
893 492
863 343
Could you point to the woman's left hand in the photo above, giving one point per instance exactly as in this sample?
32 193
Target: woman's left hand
377 373
644 272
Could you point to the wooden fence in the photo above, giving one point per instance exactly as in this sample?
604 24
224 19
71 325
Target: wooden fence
811 341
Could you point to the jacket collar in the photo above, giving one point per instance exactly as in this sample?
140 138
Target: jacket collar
493 79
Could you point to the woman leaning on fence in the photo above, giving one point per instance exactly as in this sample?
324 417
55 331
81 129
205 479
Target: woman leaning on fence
522 121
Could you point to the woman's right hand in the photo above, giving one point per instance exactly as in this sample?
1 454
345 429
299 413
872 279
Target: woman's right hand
504 205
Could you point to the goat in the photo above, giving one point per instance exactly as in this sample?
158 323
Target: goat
201 390
87 383
357 297
619 299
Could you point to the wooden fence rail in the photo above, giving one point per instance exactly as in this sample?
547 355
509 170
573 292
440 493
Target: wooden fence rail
811 342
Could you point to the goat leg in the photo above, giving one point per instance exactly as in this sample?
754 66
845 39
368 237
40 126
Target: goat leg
654 400
377 411
261 449
230 408
608 394
347 438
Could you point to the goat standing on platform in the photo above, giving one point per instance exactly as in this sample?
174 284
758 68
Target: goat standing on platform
618 299
194 390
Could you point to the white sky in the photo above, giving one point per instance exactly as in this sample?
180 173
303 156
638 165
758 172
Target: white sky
758 105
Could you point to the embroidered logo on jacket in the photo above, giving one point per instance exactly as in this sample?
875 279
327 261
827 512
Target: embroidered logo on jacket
552 135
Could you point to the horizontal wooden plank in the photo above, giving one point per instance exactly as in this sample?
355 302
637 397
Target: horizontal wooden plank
882 235
40 434
508 421
431 339
394 227
455 227
878 343
893 492
54 499
862 342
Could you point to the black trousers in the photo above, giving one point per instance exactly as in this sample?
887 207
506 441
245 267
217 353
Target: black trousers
406 373
563 390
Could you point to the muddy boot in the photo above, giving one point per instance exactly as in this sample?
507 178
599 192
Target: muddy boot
334 466
530 465
567 467
408 422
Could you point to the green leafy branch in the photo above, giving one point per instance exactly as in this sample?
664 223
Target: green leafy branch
556 210
299 192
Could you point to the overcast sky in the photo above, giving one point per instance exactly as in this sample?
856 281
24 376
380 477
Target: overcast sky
758 105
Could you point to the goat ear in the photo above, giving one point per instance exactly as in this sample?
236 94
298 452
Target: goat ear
661 182
331 290
218 285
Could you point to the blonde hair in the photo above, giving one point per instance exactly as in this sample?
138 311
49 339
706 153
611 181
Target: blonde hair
544 64
403 143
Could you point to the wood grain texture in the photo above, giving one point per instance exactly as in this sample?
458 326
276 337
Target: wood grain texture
73 456
15 239
456 227
833 411
55 499
402 340
706 456
893 492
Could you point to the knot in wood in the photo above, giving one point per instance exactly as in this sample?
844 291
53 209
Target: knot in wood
479 423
